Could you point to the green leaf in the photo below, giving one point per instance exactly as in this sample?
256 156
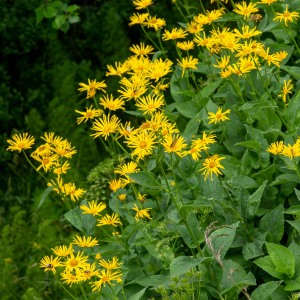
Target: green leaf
210 88
222 238
254 200
295 249
267 265
182 264
292 285
251 144
293 71
273 222
72 8
179 84
39 14
293 210
146 179
254 249
188 109
191 128
282 258
297 192
292 113
73 19
265 290
138 295
74 217
295 224
154 280
59 21
45 195
284 178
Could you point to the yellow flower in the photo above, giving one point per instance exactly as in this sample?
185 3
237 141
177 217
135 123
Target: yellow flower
50 263
105 126
126 169
276 148
63 250
50 138
143 143
245 10
174 34
43 150
159 68
219 116
286 89
114 185
281 55
141 197
132 92
90 113
47 162
291 151
267 2
68 277
247 32
85 242
156 23
61 169
186 46
93 208
141 213
92 87
113 220
138 18
87 272
141 4
118 70
126 129
223 62
207 139
122 197
269 58
188 63
150 103
70 190
212 165
106 276
20 142
74 262
194 27
64 149
141 50
111 103
286 16
174 143
110 265
213 15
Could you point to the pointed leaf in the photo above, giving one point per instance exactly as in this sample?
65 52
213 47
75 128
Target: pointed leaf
265 290
45 195
254 200
146 179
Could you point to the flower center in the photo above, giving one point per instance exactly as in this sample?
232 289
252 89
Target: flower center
143 144
107 128
211 165
74 262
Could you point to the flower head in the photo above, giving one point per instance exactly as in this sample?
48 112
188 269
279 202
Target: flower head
92 87
20 142
276 148
50 263
105 126
113 220
212 165
93 208
245 10
286 16
141 213
85 242
89 114
219 116
286 89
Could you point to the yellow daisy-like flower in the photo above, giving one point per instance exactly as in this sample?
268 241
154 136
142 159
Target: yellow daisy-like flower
114 185
132 92
111 103
70 190
128 168
89 114
245 10
212 165
188 63
93 208
246 32
113 220
110 265
276 148
106 276
87 272
63 250
122 197
291 151
74 262
206 140
219 116
141 50
281 55
223 62
126 129
92 87
174 143
141 213
156 23
286 89
43 150
64 149
50 138
118 70
47 162
174 34
105 126
20 142
138 18
61 169
85 242
68 277
159 68
185 46
50 263
194 27
142 4
142 142
269 2
286 16
150 104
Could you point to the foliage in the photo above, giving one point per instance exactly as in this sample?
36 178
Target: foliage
200 193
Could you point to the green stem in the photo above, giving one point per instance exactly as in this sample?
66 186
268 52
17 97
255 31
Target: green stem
31 164
83 292
151 40
71 295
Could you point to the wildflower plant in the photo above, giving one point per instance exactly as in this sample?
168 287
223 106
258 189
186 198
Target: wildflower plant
203 195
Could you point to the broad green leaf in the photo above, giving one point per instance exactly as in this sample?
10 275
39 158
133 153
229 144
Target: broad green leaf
138 295
222 238
72 8
74 217
265 290
293 71
254 200
50 11
282 258
267 265
265 174
292 113
293 210
273 222
45 195
146 179
39 14
177 85
59 21
182 264
292 285
297 192
295 224
295 249
153 280
73 19
210 88
251 144
188 109
284 178
191 128
254 249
